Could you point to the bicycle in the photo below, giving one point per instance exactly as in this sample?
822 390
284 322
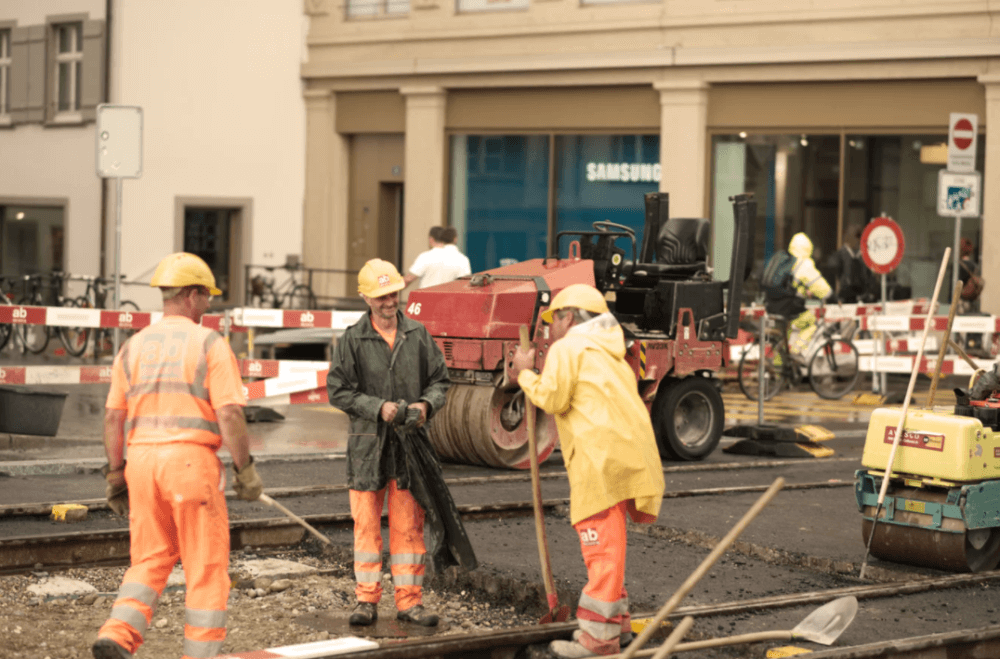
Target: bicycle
96 297
6 297
830 365
35 338
263 292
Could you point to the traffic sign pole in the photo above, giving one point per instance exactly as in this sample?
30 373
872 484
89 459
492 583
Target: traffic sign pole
955 257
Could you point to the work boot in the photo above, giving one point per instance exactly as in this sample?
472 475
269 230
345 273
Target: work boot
105 648
418 615
569 650
365 613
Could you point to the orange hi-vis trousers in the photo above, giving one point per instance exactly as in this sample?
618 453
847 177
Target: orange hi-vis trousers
177 510
406 545
603 609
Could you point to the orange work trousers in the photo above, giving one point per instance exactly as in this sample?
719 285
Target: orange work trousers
177 510
406 545
603 609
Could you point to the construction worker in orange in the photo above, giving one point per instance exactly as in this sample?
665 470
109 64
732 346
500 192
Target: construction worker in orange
607 442
177 397
389 375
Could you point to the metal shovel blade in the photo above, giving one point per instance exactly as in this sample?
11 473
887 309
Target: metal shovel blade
828 622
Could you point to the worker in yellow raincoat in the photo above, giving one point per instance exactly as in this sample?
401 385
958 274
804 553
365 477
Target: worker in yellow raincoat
805 282
610 452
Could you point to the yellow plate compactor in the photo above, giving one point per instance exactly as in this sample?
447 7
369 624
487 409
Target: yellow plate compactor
942 506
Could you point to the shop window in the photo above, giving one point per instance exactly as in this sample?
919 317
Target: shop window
499 197
377 8
4 76
604 178
68 72
31 239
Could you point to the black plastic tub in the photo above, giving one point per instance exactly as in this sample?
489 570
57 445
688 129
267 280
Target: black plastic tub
26 411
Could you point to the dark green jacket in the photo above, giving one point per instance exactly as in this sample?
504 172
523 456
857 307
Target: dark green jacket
364 374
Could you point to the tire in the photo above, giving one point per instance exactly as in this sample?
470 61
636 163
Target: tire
35 338
775 374
833 369
302 297
687 418
74 339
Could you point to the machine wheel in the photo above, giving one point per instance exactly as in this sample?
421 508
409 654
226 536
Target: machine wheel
775 375
687 418
833 369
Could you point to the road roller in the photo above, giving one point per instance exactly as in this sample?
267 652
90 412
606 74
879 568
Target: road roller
675 316
942 505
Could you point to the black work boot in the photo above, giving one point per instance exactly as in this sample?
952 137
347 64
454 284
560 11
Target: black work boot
105 648
418 615
365 613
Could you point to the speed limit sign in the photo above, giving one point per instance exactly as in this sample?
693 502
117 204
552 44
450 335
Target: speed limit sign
882 245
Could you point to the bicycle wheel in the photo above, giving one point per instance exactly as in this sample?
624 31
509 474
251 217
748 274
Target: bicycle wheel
74 339
4 327
34 338
301 297
833 369
775 375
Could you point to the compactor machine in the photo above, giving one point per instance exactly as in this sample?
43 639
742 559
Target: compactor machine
942 505
677 321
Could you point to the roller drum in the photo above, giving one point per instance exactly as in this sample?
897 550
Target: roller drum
469 430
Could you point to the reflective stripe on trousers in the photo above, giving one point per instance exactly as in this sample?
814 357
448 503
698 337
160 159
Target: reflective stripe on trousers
406 545
603 609
177 511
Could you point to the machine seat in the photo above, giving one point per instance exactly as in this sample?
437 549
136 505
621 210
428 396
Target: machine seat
681 252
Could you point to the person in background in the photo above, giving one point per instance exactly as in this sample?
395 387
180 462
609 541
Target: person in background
177 395
805 282
609 448
853 279
441 263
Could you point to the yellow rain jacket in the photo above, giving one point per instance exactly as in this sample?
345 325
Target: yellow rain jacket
807 279
605 432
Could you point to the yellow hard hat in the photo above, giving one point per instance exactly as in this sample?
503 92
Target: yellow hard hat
581 296
183 269
378 278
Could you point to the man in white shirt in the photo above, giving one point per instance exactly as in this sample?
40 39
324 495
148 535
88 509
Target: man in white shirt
441 263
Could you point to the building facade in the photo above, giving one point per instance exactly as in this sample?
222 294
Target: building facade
515 119
223 169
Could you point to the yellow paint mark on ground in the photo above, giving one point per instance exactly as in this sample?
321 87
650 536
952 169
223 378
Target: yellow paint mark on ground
327 408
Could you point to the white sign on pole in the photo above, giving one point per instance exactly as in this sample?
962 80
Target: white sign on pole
959 194
119 141
963 135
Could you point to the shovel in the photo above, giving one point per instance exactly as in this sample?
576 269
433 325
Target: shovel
306 525
823 626
556 612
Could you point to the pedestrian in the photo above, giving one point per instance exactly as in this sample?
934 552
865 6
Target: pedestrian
788 280
853 278
389 375
176 397
441 263
609 448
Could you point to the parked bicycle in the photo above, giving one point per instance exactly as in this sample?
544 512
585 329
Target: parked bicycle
96 297
290 293
829 363
6 297
35 338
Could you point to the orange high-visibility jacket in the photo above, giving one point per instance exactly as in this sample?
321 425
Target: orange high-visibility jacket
171 377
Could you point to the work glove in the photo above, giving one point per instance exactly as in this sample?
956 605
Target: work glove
117 489
248 485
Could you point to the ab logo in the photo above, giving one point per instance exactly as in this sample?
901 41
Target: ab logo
125 319
383 280
589 537
255 367
104 373
20 312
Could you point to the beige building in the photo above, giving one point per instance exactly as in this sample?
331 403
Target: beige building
514 119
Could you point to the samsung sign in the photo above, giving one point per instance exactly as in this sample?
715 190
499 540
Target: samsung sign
624 172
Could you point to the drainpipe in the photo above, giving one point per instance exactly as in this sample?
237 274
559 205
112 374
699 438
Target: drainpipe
108 4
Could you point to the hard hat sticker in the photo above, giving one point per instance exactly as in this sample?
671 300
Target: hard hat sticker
383 280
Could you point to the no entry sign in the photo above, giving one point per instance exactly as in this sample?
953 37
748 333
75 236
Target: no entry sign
963 130
882 245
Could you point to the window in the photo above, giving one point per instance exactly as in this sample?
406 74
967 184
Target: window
68 67
377 8
4 74
31 239
491 5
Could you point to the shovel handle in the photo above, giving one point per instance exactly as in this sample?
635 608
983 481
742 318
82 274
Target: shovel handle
308 527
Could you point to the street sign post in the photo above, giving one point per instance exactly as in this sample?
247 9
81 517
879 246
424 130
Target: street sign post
959 196
882 247
119 155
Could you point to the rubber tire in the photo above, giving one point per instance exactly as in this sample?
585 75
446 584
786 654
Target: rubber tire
70 336
778 376
35 338
302 295
695 391
846 386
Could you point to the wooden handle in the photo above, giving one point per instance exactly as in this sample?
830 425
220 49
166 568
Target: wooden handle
525 338
308 527
955 296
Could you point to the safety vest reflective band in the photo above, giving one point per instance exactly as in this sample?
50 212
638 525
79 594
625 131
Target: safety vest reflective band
166 368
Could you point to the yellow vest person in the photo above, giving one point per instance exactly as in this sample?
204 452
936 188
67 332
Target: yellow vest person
808 282
609 448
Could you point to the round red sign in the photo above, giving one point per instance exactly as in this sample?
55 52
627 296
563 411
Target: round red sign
882 245
962 134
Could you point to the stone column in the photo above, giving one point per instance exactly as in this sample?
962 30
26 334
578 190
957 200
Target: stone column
324 212
425 166
683 145
990 249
